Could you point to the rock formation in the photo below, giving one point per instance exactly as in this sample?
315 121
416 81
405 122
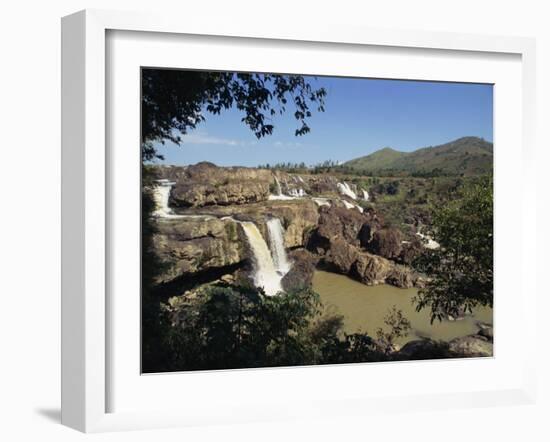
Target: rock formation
207 203
338 240
196 244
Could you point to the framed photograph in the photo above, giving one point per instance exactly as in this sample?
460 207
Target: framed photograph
264 224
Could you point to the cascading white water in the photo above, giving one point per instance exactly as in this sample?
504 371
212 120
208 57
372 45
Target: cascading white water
161 196
279 190
321 202
277 243
293 193
280 195
365 195
345 189
298 193
352 206
265 273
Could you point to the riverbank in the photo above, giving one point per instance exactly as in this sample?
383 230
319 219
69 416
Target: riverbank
364 308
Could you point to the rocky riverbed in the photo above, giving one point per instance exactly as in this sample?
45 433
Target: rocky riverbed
324 221
276 230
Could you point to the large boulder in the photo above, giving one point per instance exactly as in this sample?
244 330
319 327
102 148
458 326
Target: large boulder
301 273
486 330
423 349
372 270
471 346
410 250
191 245
341 256
345 258
205 184
340 223
386 242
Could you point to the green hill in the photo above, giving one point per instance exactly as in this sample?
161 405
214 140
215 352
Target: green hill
465 156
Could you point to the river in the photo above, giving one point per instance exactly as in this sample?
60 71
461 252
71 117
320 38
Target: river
364 308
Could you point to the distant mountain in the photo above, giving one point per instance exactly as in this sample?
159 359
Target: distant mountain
467 155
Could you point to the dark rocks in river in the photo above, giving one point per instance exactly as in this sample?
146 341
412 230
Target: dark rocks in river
422 349
486 330
463 347
338 240
337 223
471 346
410 250
372 270
301 273
386 242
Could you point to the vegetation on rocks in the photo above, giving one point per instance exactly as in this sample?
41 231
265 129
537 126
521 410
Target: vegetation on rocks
461 270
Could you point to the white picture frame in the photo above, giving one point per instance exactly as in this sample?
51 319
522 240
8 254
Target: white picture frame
86 316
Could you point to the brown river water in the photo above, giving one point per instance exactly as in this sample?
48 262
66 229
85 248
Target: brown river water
364 309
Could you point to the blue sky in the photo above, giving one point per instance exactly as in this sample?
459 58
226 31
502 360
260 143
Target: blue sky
362 116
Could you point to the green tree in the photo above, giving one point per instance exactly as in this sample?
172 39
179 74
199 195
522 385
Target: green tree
398 327
174 101
240 327
461 270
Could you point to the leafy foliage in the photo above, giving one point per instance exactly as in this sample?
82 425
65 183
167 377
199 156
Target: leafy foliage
151 266
399 327
235 327
174 101
461 271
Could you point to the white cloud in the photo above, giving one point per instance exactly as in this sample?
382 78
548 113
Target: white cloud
204 138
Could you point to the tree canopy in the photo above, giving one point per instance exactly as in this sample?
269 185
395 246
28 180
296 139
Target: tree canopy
461 270
174 101
240 327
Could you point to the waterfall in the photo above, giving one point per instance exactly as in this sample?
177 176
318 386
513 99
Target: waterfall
265 274
279 190
352 206
297 193
345 189
365 195
277 242
321 202
280 195
161 196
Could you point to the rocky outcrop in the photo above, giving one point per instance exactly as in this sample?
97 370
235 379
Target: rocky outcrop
193 245
302 270
338 240
471 346
462 347
341 223
410 250
341 256
422 349
486 330
205 184
342 239
386 242
371 270
299 217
